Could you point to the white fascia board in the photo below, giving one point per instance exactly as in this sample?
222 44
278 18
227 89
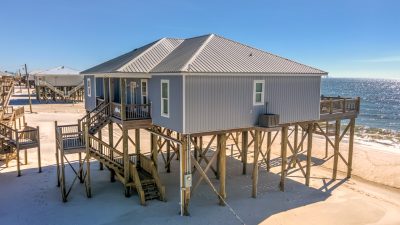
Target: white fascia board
243 74
121 75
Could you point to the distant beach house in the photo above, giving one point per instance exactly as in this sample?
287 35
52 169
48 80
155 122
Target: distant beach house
59 83
205 83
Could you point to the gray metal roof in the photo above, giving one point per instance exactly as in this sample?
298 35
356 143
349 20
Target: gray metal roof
204 54
59 70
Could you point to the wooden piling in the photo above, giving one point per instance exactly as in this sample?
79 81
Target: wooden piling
256 144
351 143
284 143
336 150
221 145
245 141
309 151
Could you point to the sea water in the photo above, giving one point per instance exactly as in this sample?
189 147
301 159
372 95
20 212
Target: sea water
379 117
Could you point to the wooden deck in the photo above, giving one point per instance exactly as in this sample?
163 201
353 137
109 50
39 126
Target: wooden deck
334 108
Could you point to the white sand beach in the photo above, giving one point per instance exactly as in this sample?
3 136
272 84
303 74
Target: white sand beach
372 196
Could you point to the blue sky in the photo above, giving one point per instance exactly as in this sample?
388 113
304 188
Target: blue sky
346 38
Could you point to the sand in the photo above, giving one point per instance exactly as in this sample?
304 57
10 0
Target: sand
372 196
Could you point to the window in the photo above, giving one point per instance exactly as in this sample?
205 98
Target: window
144 92
258 92
89 87
165 98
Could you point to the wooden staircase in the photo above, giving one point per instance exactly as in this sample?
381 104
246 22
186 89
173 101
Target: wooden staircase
60 92
143 174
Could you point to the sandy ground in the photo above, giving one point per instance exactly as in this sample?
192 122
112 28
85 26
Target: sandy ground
370 197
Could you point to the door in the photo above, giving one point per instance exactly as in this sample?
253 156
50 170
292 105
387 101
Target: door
132 87
144 99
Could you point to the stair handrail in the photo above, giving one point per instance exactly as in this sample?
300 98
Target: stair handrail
104 110
6 101
138 184
115 152
75 89
56 90
87 116
148 166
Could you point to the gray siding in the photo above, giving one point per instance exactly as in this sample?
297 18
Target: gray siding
226 102
61 80
175 120
90 102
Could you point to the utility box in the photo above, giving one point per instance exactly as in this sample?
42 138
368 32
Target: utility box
187 180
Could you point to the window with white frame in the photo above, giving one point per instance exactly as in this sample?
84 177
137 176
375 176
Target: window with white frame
258 92
165 98
89 87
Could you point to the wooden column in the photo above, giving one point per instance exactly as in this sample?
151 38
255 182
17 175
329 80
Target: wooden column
326 139
111 142
168 156
137 142
100 135
154 149
88 182
221 145
284 143
126 161
105 89
111 92
122 88
185 191
351 143
256 144
57 155
309 150
295 141
336 150
245 145
269 149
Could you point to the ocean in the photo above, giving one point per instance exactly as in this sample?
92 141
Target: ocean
380 105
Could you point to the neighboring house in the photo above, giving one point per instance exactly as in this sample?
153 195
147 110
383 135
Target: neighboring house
60 83
203 84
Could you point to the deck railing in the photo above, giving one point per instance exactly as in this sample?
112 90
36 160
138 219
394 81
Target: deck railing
109 153
71 136
29 136
132 111
331 105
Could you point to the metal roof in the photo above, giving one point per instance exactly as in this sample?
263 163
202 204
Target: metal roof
204 54
60 70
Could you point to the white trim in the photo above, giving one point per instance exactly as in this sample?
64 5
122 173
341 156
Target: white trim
255 82
161 98
242 74
184 104
141 91
89 87
186 66
119 75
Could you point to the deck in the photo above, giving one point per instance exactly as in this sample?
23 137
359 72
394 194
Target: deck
333 108
134 116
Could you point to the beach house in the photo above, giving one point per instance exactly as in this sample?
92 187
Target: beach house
59 83
206 83
193 96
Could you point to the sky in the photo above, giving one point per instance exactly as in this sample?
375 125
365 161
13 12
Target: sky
347 38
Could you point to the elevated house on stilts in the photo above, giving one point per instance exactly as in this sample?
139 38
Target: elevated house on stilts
58 84
191 94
